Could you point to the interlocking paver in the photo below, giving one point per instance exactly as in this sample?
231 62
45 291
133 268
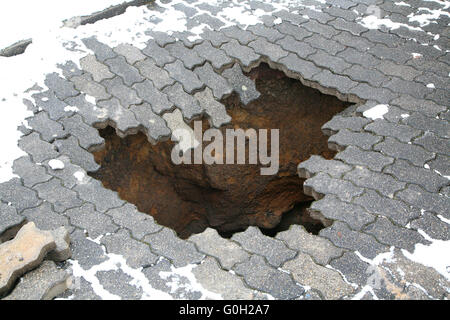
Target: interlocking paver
243 85
158 101
216 57
157 75
188 79
98 70
244 55
128 73
30 172
189 57
218 84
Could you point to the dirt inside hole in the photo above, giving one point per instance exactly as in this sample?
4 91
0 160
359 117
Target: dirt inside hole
228 197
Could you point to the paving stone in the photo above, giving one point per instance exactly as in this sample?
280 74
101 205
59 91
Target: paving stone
188 105
273 250
387 39
167 244
188 79
353 268
272 51
123 119
189 57
157 75
85 84
331 80
140 224
98 70
216 57
216 38
79 290
125 94
89 219
30 172
211 277
219 85
441 164
93 191
130 52
258 274
66 172
396 210
101 50
92 114
342 236
322 184
86 252
426 107
158 101
87 136
227 252
136 253
48 129
305 69
321 250
44 283
241 84
161 38
383 183
362 74
160 55
370 159
355 42
25 252
300 48
320 41
243 54
404 72
353 28
10 222
353 56
316 164
120 284
386 232
385 53
63 89
332 208
346 138
155 127
382 95
216 111
45 218
323 59
408 87
62 241
434 144
339 122
428 179
77 155
432 226
17 195
38 149
60 197
270 34
327 281
401 132
128 73
415 154
439 127
243 36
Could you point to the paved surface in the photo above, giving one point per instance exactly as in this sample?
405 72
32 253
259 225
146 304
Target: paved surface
386 183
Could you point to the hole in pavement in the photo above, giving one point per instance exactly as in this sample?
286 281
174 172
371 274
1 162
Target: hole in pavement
191 197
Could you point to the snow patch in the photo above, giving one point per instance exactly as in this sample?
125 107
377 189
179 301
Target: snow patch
376 112
56 164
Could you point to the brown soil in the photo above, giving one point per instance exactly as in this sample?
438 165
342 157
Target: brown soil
189 198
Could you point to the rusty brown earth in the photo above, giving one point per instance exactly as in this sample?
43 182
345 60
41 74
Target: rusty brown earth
189 198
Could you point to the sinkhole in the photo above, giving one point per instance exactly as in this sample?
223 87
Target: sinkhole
228 197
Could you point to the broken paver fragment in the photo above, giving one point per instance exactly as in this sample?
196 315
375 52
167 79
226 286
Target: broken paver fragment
23 253
43 283
62 240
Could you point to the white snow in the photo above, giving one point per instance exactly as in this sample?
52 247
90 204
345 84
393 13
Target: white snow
436 255
56 164
376 112
431 86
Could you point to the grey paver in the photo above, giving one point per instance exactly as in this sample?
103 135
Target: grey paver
244 86
218 84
